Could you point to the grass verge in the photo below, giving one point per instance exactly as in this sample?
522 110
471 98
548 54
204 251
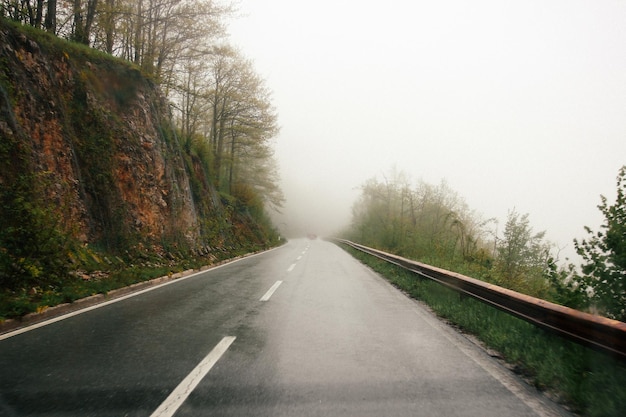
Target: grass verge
16 304
99 275
590 383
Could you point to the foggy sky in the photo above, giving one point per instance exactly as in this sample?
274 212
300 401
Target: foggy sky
516 104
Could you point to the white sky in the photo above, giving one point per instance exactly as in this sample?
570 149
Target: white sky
516 104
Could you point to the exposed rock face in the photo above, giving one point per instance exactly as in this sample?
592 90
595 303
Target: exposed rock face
99 136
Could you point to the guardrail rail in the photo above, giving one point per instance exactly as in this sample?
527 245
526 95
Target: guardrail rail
597 332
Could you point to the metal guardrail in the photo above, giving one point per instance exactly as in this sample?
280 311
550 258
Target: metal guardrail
597 332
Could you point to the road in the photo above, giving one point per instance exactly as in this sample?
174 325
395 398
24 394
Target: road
302 330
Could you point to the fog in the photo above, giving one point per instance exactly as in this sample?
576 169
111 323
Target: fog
516 104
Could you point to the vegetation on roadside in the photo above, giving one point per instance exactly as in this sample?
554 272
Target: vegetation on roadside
96 272
590 383
434 225
213 135
604 255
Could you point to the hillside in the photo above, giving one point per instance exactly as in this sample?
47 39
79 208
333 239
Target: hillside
91 169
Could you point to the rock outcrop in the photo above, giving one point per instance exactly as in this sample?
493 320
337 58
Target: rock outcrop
96 137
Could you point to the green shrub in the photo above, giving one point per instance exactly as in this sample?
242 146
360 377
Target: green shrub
33 246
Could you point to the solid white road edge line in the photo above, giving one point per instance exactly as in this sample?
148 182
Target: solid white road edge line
115 300
269 292
503 376
182 391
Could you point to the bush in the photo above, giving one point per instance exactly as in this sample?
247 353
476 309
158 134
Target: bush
604 255
33 248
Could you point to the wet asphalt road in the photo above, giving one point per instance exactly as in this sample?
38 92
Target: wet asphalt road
332 339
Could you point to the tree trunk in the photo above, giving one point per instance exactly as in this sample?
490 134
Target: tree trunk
92 6
139 32
39 14
82 21
109 29
50 24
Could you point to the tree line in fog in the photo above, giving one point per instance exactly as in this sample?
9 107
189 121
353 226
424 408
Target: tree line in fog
220 105
433 224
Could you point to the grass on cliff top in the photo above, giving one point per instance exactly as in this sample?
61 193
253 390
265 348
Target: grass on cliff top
54 44
589 382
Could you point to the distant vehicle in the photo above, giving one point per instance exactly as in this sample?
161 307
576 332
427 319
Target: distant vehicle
312 236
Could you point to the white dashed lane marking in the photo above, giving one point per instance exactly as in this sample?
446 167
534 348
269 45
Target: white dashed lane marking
182 391
269 292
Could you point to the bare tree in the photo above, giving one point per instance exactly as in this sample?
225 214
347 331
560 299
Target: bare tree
84 12
50 23
28 12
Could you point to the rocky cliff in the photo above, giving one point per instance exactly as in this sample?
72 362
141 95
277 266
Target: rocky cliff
100 133
89 142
